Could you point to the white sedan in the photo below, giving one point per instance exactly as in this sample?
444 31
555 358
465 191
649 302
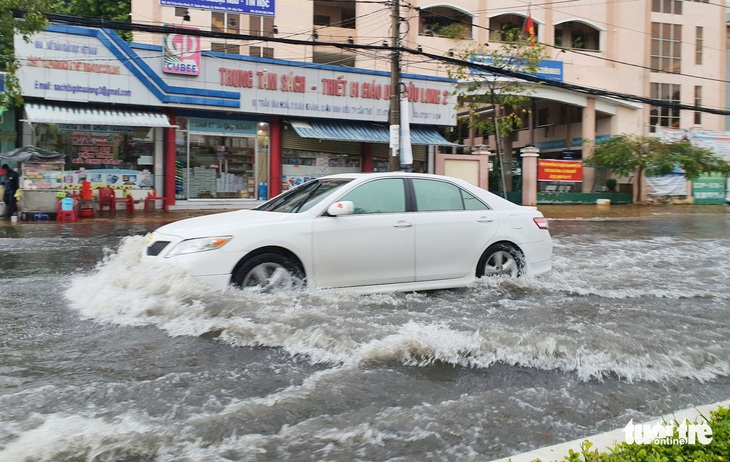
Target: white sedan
368 232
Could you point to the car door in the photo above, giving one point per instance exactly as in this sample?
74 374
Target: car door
375 245
452 229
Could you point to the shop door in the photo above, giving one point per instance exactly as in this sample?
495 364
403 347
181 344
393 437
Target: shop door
222 167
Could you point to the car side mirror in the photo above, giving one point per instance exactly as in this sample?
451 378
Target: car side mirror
341 208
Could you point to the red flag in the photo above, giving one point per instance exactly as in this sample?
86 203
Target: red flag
530 27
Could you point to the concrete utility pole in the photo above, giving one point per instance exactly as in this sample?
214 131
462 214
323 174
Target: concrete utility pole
394 116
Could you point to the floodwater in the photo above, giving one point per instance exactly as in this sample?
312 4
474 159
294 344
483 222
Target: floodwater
105 359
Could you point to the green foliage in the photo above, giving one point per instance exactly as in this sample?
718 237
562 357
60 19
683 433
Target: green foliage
111 10
717 451
476 92
32 21
625 154
455 31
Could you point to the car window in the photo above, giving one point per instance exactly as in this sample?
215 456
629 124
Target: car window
378 196
472 203
303 197
438 196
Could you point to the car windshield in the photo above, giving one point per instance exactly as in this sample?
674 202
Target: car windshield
304 197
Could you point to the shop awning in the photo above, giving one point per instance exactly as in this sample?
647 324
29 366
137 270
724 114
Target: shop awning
41 113
363 132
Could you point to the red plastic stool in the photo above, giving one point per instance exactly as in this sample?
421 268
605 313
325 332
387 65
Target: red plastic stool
67 215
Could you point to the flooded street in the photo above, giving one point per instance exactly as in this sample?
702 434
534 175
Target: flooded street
105 359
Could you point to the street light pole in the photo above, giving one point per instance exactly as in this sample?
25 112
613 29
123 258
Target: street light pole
394 116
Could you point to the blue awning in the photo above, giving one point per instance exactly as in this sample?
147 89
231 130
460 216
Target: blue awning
365 132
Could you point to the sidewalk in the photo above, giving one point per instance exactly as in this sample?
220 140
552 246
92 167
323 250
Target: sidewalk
604 441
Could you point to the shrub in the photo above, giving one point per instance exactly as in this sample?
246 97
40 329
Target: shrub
717 451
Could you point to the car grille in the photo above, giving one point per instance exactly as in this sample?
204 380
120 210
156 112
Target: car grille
156 247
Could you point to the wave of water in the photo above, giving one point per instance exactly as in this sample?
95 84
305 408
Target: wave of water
606 309
251 429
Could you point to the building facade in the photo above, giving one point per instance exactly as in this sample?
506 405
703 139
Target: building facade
196 124
668 50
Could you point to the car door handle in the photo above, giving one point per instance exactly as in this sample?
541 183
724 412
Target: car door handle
403 224
485 220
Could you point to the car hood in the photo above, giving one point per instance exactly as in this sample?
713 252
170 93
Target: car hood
221 223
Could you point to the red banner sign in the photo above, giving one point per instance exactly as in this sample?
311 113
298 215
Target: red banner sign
568 171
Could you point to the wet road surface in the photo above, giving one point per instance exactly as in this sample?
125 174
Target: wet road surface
103 358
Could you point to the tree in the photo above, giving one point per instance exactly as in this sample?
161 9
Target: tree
505 99
630 154
31 20
112 10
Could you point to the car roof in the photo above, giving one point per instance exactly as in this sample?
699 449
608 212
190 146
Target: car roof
386 175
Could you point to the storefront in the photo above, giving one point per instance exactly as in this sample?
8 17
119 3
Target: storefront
223 127
104 147
221 158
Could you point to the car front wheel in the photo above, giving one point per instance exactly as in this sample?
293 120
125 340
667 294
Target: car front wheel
269 272
501 259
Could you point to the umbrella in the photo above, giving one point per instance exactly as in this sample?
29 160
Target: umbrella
32 154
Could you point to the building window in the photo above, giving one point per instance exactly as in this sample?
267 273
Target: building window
667 6
225 48
665 116
261 52
698 103
507 27
181 12
225 22
321 20
443 21
577 35
666 47
261 26
569 114
330 55
699 41
340 13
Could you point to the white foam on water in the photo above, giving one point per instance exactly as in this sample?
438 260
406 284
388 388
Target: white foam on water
581 317
67 437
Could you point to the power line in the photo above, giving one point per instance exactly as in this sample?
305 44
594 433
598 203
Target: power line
101 23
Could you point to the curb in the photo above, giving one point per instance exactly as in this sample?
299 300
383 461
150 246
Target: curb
604 441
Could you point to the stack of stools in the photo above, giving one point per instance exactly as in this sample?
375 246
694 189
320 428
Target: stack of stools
86 202
67 209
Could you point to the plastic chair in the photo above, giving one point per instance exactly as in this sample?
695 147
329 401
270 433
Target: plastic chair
107 198
67 209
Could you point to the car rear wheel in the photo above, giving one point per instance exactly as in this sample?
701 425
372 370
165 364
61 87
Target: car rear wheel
269 272
501 259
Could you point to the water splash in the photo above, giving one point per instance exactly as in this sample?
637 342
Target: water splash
585 317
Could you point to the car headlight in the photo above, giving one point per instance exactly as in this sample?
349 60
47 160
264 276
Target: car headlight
202 244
